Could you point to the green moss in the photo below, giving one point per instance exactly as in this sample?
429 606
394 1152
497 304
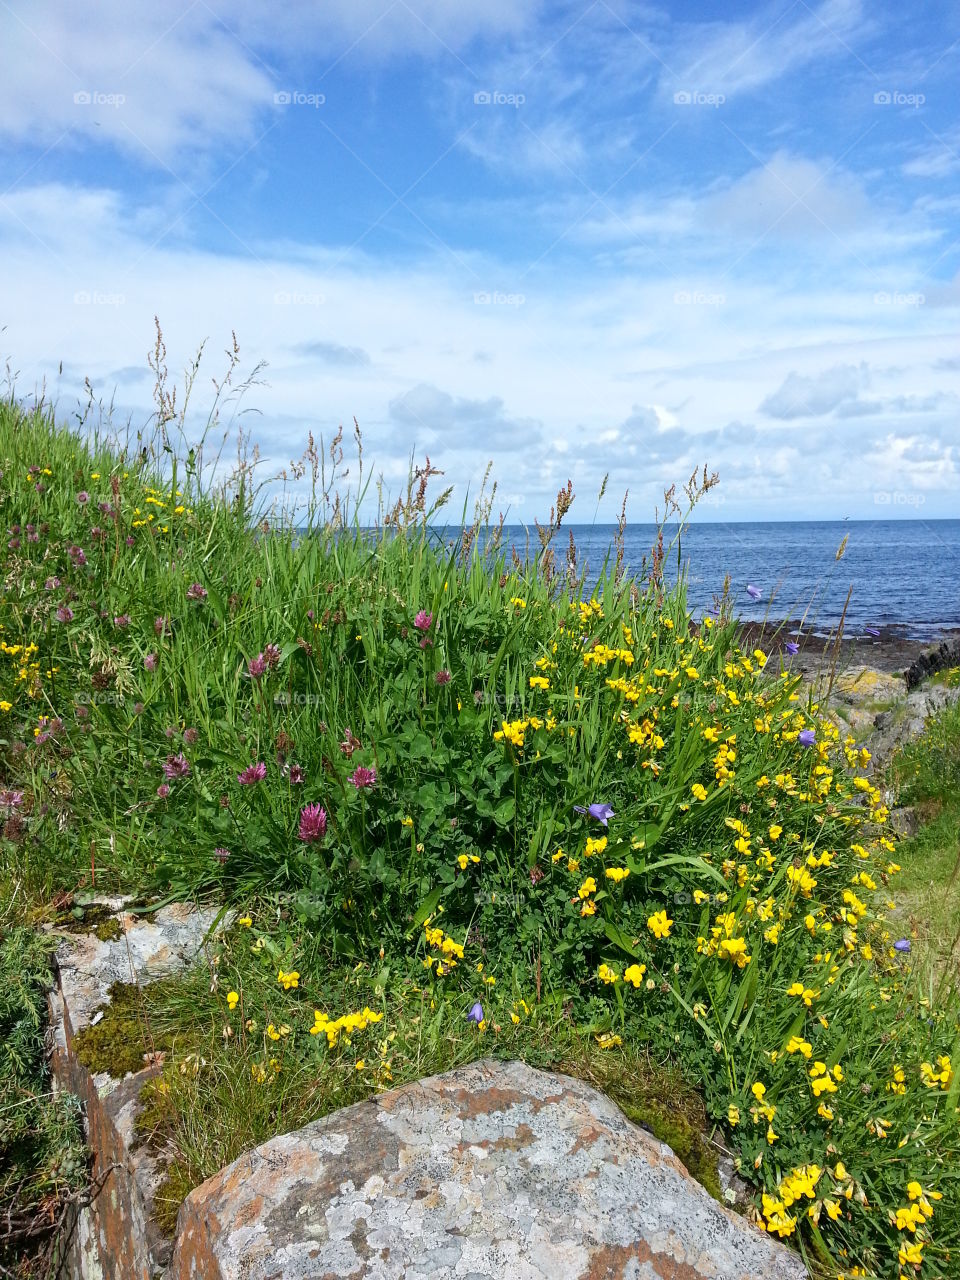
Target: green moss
109 930
155 1113
684 1135
170 1195
120 1039
95 918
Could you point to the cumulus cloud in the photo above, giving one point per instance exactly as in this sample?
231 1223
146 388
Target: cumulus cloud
463 423
331 353
816 396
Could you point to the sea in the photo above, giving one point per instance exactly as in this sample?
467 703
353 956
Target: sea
902 576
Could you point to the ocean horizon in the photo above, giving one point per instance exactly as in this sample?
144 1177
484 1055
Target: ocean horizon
902 574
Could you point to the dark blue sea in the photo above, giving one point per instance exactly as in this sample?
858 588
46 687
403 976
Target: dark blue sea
904 574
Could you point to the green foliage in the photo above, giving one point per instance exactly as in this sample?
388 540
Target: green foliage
450 708
42 1157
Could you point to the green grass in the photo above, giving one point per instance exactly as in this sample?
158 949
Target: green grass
719 957
926 774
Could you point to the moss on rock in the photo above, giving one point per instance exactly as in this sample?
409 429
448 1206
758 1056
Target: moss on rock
118 1042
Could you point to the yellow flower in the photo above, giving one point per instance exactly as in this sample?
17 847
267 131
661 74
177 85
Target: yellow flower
634 974
245 921
616 874
733 1115
774 831
233 999
606 974
699 791
539 682
288 980
758 1090
589 886
659 924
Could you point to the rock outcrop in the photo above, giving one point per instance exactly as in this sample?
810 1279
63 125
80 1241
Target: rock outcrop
493 1170
116 1238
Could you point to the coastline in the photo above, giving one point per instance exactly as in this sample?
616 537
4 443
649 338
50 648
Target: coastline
892 650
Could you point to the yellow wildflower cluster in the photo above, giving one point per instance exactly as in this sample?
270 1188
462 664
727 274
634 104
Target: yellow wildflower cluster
725 941
345 1026
449 951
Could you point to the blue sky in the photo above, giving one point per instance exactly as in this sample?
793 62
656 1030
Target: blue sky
572 238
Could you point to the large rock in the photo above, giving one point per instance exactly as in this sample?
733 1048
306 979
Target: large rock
494 1170
116 1238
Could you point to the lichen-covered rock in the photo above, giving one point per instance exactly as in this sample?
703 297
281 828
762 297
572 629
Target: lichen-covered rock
494 1170
116 1238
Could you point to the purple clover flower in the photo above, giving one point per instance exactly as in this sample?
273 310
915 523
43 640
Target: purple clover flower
362 777
196 591
222 855
64 613
150 662
177 766
423 621
252 773
257 666
313 823
83 497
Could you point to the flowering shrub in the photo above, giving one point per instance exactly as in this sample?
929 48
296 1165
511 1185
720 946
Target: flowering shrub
487 774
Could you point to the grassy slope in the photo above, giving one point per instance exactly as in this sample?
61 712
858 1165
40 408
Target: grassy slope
647 735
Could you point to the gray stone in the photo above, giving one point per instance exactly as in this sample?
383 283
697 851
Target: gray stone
116 1238
494 1170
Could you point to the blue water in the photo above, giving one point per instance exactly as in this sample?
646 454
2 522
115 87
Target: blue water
904 573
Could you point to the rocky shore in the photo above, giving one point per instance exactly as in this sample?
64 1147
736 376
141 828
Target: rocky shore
891 650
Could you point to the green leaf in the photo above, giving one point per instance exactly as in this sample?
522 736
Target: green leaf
619 939
426 908
689 860
504 812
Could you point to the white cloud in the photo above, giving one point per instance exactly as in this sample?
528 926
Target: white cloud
592 373
814 397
